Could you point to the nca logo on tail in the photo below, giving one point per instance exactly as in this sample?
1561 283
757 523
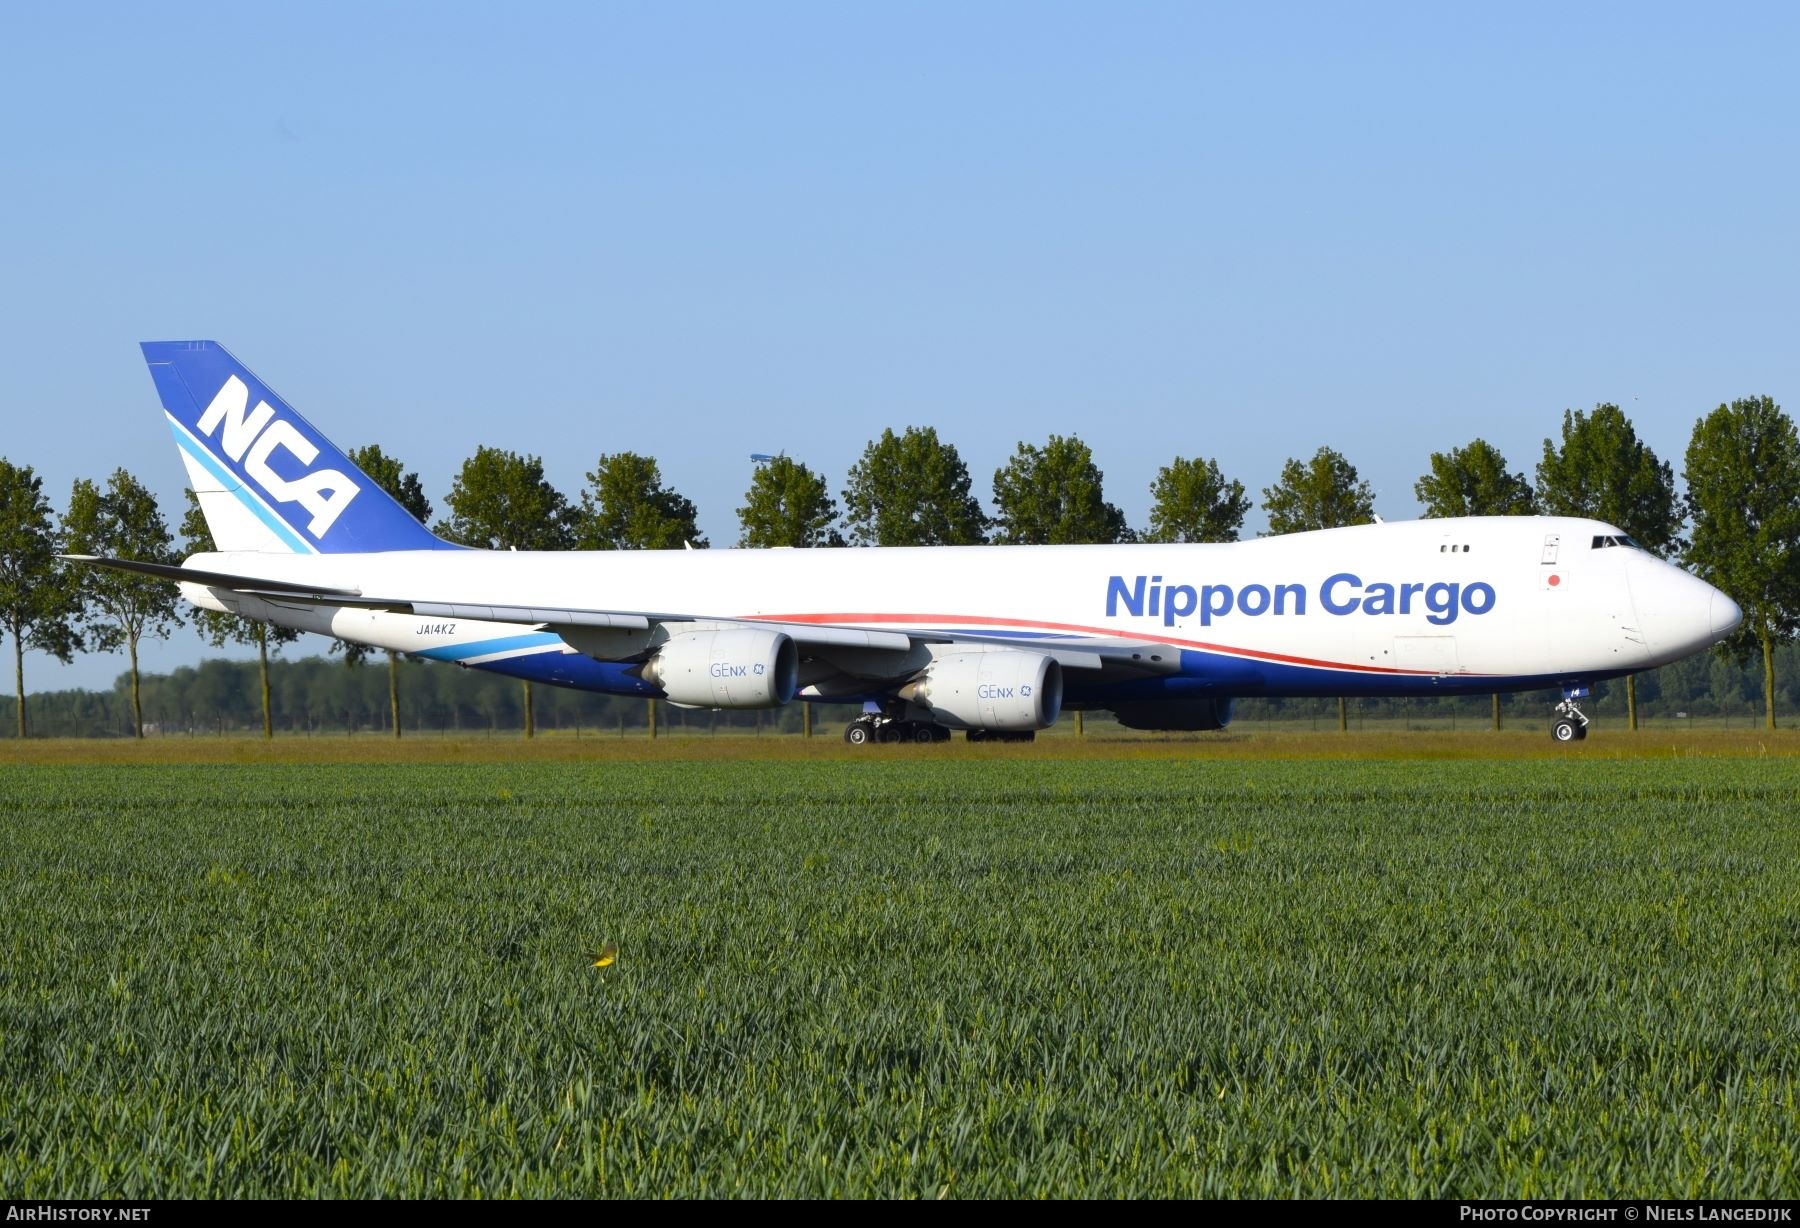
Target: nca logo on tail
251 437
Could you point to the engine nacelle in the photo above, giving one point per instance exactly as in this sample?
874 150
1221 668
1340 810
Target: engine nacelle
1175 714
990 690
732 668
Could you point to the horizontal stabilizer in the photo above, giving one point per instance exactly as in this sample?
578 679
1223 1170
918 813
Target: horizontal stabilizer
220 579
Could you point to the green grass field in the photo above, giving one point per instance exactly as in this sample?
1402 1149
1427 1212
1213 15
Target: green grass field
1181 972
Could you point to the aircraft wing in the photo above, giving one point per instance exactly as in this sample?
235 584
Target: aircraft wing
855 652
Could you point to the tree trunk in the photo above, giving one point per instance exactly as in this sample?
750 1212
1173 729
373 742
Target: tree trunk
1768 647
652 705
806 720
1631 702
1343 715
137 707
530 716
1496 712
19 677
1080 732
262 661
394 690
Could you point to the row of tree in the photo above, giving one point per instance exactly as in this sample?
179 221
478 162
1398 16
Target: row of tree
317 696
1737 525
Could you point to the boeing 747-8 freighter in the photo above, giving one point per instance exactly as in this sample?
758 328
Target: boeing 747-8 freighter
994 640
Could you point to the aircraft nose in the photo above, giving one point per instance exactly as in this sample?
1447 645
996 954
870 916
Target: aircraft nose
1680 613
1725 615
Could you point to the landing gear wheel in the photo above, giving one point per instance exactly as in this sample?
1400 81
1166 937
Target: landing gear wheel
1571 723
924 733
859 733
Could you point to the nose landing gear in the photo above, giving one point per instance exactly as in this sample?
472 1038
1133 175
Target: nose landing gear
1571 723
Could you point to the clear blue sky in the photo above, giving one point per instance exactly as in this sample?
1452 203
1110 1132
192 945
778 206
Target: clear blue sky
702 231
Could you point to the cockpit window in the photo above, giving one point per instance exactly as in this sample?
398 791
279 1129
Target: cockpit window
1605 541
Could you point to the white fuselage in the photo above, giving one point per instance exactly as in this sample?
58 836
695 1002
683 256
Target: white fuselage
1406 608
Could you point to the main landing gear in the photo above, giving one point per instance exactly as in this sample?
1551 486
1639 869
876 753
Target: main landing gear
1571 723
875 727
